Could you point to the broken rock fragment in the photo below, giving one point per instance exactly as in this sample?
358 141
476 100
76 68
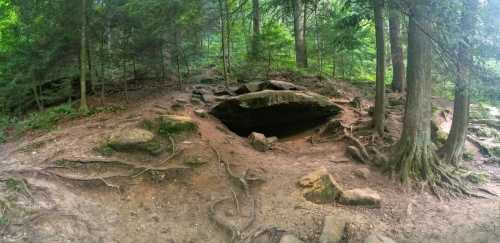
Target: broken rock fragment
321 187
333 229
361 197
260 142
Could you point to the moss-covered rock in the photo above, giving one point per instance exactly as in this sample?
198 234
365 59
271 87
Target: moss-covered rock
172 124
135 139
321 187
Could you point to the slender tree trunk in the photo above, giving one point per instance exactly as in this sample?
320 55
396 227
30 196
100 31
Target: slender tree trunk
223 41
255 48
453 149
299 33
83 59
398 65
379 114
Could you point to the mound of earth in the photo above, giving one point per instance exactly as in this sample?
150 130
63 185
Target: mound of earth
274 113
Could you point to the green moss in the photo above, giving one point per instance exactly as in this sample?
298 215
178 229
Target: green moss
495 151
104 150
172 127
468 155
14 185
195 161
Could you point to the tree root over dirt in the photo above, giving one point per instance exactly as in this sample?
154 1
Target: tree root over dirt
243 183
421 162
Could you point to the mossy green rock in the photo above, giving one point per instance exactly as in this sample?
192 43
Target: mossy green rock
321 187
173 124
135 139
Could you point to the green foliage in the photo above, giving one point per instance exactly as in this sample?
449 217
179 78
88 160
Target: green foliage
46 120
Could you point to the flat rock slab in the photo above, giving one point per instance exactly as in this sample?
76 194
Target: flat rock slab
361 197
333 229
274 112
267 85
378 238
130 137
290 239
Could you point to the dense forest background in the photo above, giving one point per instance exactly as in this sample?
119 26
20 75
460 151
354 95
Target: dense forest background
44 45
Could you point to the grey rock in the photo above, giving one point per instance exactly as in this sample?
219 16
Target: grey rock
287 238
333 229
378 238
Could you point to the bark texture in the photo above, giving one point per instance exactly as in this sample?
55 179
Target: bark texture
379 115
256 30
299 21
453 149
398 65
83 59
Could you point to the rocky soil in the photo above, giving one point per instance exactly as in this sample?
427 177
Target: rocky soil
165 170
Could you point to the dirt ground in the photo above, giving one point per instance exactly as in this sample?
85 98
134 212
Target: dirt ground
174 208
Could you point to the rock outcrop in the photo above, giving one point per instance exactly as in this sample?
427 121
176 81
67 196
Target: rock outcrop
274 112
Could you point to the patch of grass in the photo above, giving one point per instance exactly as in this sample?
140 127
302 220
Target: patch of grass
14 185
48 119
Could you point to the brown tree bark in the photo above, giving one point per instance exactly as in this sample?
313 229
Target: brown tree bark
453 149
398 65
83 59
299 33
416 157
379 114
255 48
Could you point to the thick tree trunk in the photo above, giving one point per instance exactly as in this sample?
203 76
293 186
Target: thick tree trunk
416 154
379 114
453 149
398 65
255 48
83 59
299 33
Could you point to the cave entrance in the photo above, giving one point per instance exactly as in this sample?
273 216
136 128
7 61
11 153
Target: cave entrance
281 121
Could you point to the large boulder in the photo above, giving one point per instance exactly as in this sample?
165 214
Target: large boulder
127 140
274 112
267 85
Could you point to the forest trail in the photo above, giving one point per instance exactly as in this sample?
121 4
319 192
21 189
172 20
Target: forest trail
172 205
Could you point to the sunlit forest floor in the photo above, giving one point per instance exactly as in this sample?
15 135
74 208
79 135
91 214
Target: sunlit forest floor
50 201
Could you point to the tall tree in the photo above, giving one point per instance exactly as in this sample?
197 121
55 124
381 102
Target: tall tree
398 65
299 29
416 152
453 148
255 48
83 59
379 115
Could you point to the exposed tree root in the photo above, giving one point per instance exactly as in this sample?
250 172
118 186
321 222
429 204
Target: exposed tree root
241 182
419 162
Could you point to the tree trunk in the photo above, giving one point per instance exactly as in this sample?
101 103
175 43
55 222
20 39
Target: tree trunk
416 152
254 53
83 59
453 149
379 114
223 40
299 33
398 65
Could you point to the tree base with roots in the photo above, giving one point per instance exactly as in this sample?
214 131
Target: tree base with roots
420 162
